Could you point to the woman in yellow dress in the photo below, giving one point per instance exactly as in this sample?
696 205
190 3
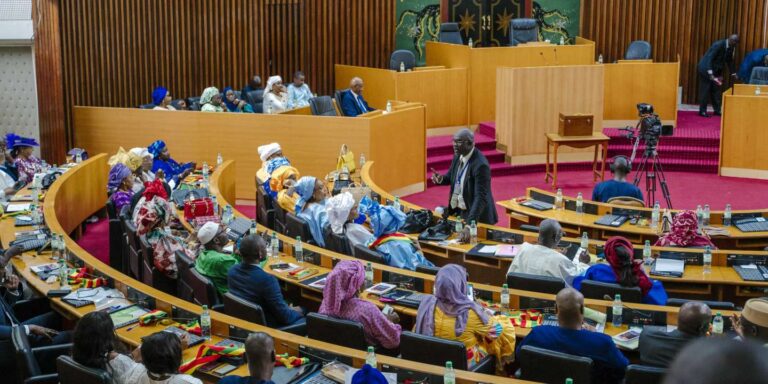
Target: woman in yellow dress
450 314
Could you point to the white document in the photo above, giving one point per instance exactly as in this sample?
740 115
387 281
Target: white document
489 249
17 207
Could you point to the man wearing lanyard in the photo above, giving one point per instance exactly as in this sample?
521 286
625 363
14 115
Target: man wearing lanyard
470 181
352 102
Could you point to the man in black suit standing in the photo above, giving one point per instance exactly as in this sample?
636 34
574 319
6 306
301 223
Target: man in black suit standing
470 180
710 70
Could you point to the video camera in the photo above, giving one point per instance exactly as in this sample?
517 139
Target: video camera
649 128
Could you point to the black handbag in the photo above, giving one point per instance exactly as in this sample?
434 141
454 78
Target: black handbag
416 221
49 179
442 231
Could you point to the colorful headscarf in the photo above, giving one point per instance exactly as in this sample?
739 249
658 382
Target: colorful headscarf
337 208
451 297
342 284
13 140
385 219
684 232
158 95
232 107
617 264
267 150
140 152
276 163
280 175
156 148
129 159
305 187
271 81
117 174
208 95
155 188
151 212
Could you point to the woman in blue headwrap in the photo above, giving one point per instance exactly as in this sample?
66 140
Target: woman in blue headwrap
311 205
120 186
234 104
210 100
398 249
172 171
162 99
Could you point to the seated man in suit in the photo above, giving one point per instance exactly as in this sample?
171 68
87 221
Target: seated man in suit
659 347
248 281
470 181
543 260
212 261
352 102
619 186
570 338
260 356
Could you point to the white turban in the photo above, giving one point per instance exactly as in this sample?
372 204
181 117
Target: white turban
337 208
265 151
271 81
207 232
140 152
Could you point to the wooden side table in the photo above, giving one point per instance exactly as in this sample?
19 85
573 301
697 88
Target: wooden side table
597 139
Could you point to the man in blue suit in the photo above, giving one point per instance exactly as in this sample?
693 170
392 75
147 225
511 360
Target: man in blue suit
352 102
248 281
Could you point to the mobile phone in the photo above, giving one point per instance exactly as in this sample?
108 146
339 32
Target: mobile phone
224 369
279 266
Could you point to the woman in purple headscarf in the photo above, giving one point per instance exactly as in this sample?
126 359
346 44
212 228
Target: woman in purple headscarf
450 314
120 185
340 300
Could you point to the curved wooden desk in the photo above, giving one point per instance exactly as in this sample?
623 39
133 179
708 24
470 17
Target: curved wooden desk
82 191
576 223
222 180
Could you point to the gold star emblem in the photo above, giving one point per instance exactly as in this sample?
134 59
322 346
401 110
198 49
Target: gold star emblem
467 22
502 22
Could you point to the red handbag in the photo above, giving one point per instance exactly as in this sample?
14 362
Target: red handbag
197 208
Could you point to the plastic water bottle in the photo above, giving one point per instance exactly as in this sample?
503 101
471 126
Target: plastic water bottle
473 232
562 40
396 203
600 58
505 296
655 216
617 309
252 231
215 205
219 159
269 109
362 161
274 243
584 240
205 170
63 275
559 199
459 226
647 253
757 91
717 324
450 376
389 106
298 251
34 214
368 275
705 215
470 291
579 203
470 43
402 67
370 358
205 323
568 381
707 259
727 215
78 158
226 218
699 214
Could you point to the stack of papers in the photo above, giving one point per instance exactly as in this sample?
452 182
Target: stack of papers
17 207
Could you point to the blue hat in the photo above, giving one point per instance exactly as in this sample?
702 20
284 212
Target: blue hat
156 148
13 140
368 375
158 95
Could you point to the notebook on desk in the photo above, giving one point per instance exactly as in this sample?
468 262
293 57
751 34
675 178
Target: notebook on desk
668 267
537 205
612 220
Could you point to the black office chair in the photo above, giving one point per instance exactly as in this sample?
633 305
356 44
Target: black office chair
296 226
335 331
147 106
643 374
542 365
183 290
638 50
759 76
265 215
176 103
248 311
279 217
362 252
204 291
721 305
523 31
72 372
534 283
436 351
449 33
338 95
256 99
115 237
134 252
151 275
402 56
336 242
194 103
322 106
28 368
427 269
598 290
529 228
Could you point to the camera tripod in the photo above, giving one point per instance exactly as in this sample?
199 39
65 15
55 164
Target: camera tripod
650 166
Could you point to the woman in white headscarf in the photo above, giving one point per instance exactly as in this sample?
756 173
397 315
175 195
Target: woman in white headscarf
210 100
342 217
275 97
144 173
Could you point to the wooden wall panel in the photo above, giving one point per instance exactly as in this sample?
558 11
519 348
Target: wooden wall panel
114 52
675 28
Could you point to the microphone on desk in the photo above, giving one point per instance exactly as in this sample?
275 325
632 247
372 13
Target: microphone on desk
556 61
543 57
